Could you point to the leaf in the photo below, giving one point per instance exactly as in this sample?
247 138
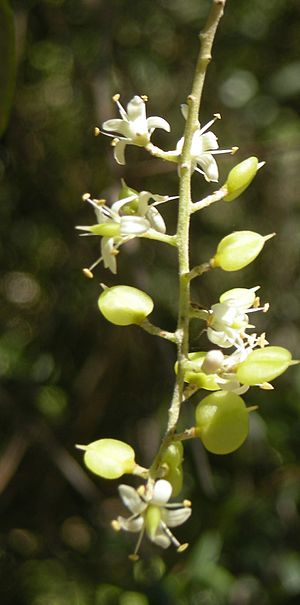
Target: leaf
7 62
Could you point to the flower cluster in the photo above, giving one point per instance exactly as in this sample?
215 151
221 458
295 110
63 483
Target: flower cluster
243 357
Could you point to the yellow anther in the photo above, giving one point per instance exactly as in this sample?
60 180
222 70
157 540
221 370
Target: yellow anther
266 386
86 196
88 273
97 131
116 97
217 116
133 557
141 490
183 547
145 98
116 525
234 150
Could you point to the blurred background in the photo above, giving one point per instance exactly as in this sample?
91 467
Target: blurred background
67 375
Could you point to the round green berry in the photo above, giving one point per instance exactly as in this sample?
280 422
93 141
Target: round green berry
222 422
263 365
109 458
125 305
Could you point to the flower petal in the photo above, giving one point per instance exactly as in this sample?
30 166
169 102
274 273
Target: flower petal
209 166
136 109
133 225
134 525
156 220
172 518
209 141
131 499
116 125
143 200
161 539
157 122
218 338
116 206
119 152
107 249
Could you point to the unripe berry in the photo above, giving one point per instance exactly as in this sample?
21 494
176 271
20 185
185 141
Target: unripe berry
263 365
175 477
173 454
222 422
109 458
240 177
238 249
124 305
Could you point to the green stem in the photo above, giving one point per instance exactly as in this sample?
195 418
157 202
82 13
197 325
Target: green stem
156 331
183 225
210 199
160 237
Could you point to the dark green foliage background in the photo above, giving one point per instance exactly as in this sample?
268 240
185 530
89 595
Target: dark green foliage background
68 377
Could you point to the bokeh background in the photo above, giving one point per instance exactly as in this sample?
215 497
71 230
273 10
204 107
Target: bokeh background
68 376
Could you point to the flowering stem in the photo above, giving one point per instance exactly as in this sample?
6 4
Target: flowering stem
183 225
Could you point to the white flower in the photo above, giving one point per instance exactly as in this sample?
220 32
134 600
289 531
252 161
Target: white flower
204 147
134 127
152 514
228 319
127 218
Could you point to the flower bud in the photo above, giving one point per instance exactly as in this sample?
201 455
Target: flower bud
238 249
109 458
222 422
213 361
196 375
263 365
241 297
240 177
124 305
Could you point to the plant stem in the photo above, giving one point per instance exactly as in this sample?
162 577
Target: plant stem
183 224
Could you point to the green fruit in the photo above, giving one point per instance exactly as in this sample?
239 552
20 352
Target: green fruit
175 477
240 177
222 422
173 454
238 249
263 365
124 305
109 458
